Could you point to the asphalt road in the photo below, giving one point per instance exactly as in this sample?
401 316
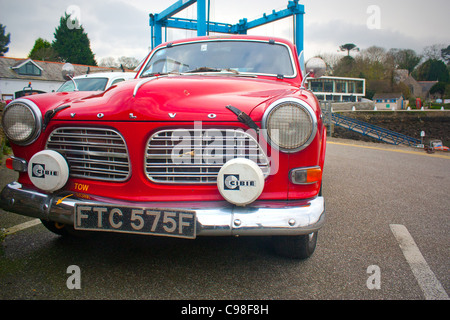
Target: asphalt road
369 188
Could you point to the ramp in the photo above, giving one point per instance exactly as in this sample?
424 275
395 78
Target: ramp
373 131
366 129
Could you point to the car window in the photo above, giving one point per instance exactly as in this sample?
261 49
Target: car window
241 56
85 84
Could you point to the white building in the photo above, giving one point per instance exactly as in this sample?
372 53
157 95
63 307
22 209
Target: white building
19 76
337 89
389 101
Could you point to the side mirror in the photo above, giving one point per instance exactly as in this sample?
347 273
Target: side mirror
316 67
68 72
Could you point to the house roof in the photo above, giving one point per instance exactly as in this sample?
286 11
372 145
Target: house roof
24 62
426 85
394 95
50 71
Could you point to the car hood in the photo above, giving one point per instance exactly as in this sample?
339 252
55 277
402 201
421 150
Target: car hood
173 98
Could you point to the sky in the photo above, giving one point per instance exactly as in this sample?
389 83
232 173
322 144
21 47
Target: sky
121 27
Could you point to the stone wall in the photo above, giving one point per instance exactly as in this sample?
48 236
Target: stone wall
346 106
436 124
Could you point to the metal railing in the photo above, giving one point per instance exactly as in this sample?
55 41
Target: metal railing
365 128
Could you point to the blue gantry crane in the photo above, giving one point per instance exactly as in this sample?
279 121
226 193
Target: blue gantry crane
203 25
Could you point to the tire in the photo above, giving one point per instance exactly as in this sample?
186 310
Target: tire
295 247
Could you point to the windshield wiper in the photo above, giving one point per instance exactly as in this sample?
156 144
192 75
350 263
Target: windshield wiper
157 74
209 69
244 118
50 114
231 70
203 69
154 74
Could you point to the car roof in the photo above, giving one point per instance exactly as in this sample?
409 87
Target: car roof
237 37
109 75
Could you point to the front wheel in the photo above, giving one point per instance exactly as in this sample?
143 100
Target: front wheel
295 247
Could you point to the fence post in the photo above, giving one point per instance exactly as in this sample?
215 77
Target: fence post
330 118
327 116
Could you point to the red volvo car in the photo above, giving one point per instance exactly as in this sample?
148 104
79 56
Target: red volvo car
216 136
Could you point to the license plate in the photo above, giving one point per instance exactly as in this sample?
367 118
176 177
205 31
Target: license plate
151 221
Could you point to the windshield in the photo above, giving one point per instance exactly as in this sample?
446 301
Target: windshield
86 84
215 56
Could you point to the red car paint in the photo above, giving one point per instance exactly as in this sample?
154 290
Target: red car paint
191 98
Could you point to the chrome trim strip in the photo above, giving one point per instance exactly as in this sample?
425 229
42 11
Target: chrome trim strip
142 82
159 166
164 46
92 153
214 218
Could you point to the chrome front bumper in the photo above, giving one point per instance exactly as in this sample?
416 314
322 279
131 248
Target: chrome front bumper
261 218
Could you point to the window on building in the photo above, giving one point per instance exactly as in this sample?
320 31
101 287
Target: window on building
316 86
328 86
359 87
347 98
29 69
320 97
341 86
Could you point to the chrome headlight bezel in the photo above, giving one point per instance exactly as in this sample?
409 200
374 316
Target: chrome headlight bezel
303 107
34 122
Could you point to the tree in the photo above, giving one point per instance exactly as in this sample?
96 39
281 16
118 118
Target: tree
375 64
331 60
108 62
433 52
445 54
125 62
405 58
72 44
42 50
439 88
432 70
375 54
128 62
345 67
4 40
349 47
371 64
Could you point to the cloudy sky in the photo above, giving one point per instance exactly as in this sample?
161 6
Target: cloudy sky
120 27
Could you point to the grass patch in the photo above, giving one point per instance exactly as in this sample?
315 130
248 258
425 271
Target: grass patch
440 105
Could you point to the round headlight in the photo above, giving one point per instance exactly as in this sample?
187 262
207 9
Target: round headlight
290 124
22 122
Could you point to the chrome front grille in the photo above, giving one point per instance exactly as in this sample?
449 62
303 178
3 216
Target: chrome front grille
92 153
196 155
